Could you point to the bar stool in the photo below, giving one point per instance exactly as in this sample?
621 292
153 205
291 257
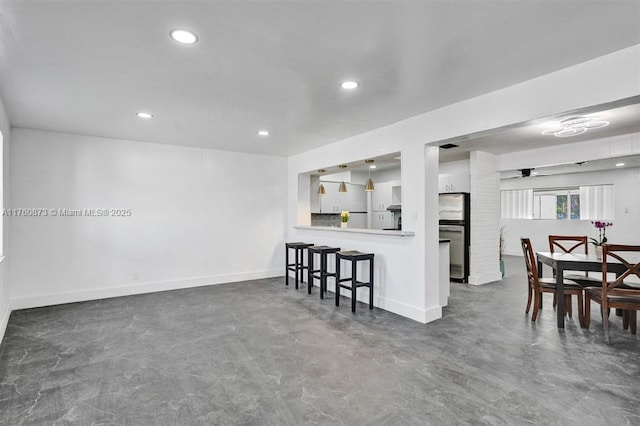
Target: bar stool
323 251
354 257
298 266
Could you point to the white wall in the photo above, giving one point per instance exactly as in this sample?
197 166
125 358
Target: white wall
197 217
410 279
5 308
625 228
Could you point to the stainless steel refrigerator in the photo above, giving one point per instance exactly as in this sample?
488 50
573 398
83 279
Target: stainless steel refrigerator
455 212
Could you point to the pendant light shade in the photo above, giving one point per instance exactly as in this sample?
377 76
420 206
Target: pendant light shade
369 186
321 190
342 187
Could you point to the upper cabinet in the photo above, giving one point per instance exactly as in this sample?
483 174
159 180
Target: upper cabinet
454 182
384 195
354 200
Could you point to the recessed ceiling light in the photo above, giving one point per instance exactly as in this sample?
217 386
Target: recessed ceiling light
263 133
183 36
619 164
349 85
146 115
373 166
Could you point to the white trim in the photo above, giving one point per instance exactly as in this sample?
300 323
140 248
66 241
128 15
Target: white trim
408 311
485 278
128 290
4 321
399 308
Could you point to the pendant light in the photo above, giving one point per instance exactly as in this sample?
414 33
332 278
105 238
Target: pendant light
369 186
321 190
343 186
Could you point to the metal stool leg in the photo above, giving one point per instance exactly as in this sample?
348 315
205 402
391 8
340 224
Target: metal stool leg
310 257
370 283
337 281
354 285
297 267
286 265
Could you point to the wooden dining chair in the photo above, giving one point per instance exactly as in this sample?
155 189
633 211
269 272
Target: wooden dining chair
616 294
537 285
573 244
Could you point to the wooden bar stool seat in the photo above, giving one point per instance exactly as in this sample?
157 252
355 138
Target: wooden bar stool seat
354 257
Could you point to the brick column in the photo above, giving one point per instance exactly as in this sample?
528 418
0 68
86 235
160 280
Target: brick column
484 255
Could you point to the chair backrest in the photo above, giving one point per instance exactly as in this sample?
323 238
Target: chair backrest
568 243
629 256
530 262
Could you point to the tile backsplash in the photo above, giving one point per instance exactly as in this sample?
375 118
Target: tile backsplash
325 219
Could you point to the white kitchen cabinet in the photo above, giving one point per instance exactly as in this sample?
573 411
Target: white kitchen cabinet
357 200
382 220
354 200
455 182
381 197
358 220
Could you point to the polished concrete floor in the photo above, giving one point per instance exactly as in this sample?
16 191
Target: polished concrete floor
260 353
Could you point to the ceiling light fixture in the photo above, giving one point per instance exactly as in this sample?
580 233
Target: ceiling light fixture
574 126
343 186
263 133
321 190
183 36
349 85
146 115
369 186
619 164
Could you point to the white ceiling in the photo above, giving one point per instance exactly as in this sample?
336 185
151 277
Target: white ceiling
628 161
87 67
623 116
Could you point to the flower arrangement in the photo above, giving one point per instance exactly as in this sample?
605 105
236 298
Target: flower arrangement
344 216
602 229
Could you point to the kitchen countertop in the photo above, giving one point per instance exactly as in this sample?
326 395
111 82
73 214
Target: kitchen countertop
391 233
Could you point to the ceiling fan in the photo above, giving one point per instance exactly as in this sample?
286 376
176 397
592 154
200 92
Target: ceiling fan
521 173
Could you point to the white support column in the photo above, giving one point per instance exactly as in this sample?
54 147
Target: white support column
484 266
431 230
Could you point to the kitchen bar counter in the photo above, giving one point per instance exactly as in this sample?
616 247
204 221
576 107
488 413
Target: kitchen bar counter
390 233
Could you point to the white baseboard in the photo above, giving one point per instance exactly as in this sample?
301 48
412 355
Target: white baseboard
4 321
408 311
412 312
485 278
128 290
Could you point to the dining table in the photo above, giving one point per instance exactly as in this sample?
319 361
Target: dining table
562 262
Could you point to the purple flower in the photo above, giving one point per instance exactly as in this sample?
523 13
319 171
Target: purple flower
602 228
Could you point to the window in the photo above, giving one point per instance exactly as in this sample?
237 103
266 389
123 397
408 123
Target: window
563 203
567 203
